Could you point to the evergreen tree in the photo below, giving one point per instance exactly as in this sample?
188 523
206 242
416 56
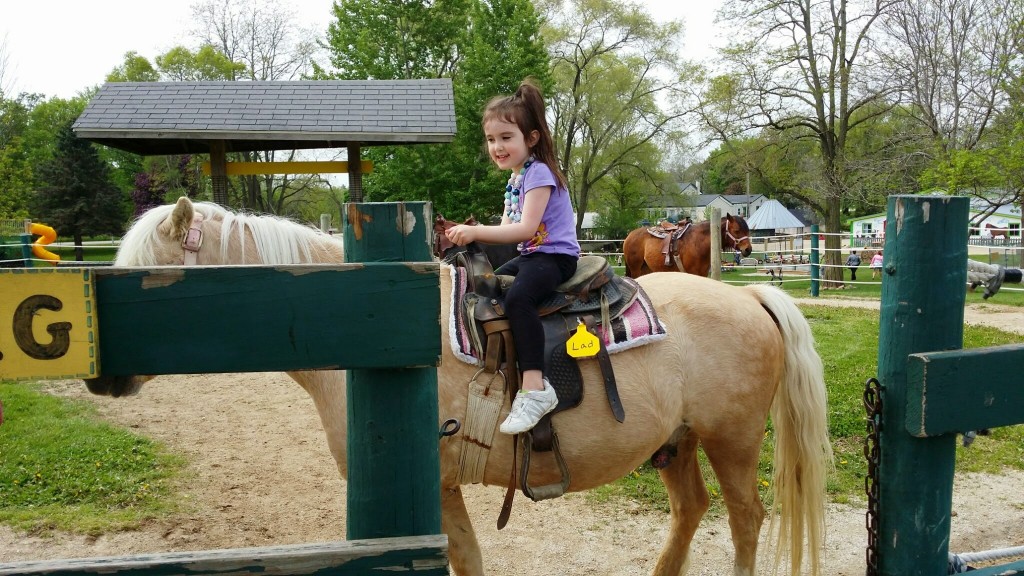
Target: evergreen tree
77 196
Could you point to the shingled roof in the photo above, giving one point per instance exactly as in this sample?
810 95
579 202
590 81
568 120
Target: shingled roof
152 118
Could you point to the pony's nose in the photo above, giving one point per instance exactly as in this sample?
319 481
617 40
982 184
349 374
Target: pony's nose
747 251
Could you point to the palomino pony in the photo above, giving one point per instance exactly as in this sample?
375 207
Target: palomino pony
678 394
643 252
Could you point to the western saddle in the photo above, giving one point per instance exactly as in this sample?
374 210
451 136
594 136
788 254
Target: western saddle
593 294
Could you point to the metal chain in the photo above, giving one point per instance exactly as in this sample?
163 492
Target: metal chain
873 454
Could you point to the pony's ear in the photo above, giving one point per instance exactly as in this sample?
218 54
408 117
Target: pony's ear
177 223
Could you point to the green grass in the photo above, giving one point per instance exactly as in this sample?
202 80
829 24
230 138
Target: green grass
61 467
847 340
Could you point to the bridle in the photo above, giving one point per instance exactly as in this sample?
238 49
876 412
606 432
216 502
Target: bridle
193 240
735 241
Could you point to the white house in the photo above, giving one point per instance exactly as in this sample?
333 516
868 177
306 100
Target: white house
688 202
871 228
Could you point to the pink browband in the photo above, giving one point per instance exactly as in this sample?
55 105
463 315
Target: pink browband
193 240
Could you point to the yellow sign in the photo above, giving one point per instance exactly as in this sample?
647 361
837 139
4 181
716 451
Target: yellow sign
48 324
582 344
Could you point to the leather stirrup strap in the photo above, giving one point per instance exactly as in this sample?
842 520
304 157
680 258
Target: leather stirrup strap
607 374
494 349
510 492
500 345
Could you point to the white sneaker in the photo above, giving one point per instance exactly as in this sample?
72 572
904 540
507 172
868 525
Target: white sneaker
528 408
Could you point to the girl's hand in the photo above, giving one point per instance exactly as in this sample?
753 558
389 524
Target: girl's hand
461 234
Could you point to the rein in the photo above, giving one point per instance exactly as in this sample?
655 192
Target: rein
193 240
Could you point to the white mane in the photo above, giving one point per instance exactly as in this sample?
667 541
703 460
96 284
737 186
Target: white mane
277 240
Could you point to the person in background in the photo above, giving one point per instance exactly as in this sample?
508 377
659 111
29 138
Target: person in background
852 261
876 265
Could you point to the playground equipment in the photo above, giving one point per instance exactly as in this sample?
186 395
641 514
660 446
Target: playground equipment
46 236
394 503
922 399
17 248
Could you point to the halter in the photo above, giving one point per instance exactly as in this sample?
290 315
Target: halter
193 240
735 241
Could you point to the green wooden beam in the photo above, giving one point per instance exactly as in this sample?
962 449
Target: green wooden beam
420 555
961 390
195 320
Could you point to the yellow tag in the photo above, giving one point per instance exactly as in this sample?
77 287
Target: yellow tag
582 344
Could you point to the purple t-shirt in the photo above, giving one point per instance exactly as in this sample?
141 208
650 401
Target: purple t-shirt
557 231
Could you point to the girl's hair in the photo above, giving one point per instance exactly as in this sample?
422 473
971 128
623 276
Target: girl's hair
525 109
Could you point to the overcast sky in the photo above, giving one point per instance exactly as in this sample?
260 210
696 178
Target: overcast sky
60 47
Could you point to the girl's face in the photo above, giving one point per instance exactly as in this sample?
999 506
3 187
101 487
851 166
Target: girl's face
508 147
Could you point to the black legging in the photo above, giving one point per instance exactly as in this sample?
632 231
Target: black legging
537 276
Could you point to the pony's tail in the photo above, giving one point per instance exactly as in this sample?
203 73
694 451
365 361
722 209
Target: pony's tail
803 451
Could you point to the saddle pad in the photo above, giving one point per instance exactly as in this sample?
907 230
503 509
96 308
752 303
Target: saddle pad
637 325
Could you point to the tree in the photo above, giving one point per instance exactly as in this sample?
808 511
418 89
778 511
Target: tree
487 48
179 64
6 70
809 70
76 195
15 165
953 58
611 64
957 61
135 68
395 40
504 47
262 36
259 34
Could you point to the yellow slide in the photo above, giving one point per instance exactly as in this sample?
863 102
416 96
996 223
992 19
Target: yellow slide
46 236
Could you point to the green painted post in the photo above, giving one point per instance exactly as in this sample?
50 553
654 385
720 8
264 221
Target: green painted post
394 473
26 250
815 273
923 286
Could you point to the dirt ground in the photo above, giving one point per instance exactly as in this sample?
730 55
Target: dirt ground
260 474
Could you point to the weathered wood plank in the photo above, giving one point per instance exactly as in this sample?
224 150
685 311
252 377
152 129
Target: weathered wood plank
193 320
420 555
961 390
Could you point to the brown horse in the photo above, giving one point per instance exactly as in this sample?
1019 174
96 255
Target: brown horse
1003 233
689 251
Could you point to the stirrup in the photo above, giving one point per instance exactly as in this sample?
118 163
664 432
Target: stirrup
551 490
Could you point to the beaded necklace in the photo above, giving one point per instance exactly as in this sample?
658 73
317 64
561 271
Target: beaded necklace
513 193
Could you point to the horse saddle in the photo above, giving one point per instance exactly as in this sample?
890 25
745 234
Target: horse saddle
594 295
670 236
593 292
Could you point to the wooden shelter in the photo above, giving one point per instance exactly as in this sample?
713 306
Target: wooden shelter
155 118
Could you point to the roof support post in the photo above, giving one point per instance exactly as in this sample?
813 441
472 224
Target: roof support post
219 171
355 174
